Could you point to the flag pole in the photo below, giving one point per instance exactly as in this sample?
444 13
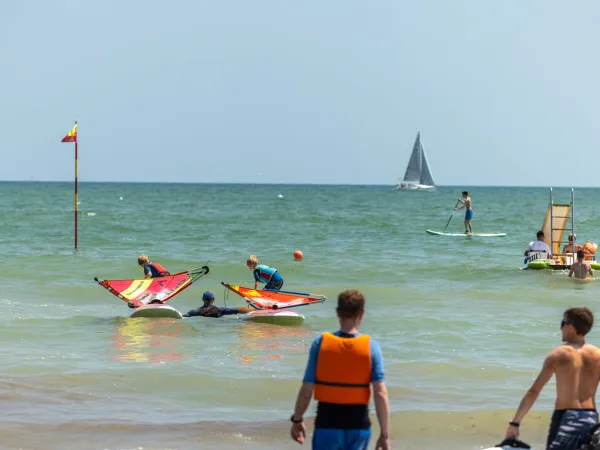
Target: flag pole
76 194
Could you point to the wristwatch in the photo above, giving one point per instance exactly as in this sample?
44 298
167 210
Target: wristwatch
296 421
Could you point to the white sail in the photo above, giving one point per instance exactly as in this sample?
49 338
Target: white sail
418 174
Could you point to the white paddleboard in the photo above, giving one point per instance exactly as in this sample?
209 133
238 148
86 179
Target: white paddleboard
440 233
157 311
274 316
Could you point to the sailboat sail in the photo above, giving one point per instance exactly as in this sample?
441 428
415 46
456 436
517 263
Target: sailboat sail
418 174
413 170
426 177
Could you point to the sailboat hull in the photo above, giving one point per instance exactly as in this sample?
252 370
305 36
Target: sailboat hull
414 187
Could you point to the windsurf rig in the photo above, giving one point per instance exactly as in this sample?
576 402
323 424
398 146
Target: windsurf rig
143 291
265 299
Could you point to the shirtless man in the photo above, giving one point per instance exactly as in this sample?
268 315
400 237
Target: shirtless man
568 248
579 268
576 365
469 214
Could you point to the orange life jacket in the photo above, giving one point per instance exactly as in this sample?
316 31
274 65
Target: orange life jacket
344 370
161 270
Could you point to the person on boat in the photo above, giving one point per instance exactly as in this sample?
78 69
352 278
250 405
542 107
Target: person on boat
466 203
151 270
580 269
538 245
568 248
342 367
208 309
576 365
264 274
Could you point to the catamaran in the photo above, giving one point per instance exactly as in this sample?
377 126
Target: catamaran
418 175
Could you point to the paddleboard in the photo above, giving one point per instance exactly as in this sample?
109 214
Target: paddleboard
440 233
274 316
157 311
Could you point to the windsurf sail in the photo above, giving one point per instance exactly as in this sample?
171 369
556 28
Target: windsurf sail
263 299
143 291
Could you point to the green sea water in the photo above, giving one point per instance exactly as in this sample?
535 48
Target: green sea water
462 329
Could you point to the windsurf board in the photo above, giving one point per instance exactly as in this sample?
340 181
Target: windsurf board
155 310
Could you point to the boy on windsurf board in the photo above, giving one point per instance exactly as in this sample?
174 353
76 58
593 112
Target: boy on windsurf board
264 274
576 365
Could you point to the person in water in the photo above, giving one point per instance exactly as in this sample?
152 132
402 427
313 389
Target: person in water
342 368
151 270
580 269
264 274
208 309
576 365
466 203
538 245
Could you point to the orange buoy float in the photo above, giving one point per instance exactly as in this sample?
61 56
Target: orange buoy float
298 255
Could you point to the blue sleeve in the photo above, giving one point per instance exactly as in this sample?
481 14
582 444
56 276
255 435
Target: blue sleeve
256 277
310 375
228 311
376 362
147 269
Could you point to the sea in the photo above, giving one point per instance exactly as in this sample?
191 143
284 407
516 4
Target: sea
463 330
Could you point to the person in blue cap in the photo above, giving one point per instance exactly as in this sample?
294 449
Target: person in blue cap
208 309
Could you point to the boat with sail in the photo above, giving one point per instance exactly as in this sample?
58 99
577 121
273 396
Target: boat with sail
418 174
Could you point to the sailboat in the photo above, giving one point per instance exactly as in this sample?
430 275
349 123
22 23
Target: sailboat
417 175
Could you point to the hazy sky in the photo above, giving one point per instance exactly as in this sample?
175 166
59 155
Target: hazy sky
330 91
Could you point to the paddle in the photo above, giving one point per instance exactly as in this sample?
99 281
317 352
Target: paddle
451 215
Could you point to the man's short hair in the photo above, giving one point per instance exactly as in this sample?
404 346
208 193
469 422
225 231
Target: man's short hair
581 318
351 303
540 234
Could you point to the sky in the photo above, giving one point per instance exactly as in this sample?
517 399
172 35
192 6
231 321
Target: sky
327 92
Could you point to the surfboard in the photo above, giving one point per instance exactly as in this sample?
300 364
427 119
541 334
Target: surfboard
274 316
440 233
152 311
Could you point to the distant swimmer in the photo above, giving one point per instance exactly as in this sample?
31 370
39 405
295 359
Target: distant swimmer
579 268
151 270
576 365
264 274
538 245
208 309
466 203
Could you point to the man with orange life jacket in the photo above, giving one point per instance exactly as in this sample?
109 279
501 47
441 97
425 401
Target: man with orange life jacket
151 270
264 274
342 366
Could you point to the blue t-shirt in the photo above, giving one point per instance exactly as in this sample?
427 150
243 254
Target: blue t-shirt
310 375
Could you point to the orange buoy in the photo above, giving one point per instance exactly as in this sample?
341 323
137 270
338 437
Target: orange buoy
298 255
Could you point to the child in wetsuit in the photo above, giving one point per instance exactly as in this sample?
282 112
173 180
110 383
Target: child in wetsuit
264 274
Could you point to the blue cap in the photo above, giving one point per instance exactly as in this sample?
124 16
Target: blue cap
208 295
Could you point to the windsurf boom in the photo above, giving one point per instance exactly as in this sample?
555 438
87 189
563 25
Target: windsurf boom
143 291
262 299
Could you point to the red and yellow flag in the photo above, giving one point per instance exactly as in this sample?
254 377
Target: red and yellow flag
71 135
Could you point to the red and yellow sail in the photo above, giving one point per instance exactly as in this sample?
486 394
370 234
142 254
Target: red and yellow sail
142 291
261 299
